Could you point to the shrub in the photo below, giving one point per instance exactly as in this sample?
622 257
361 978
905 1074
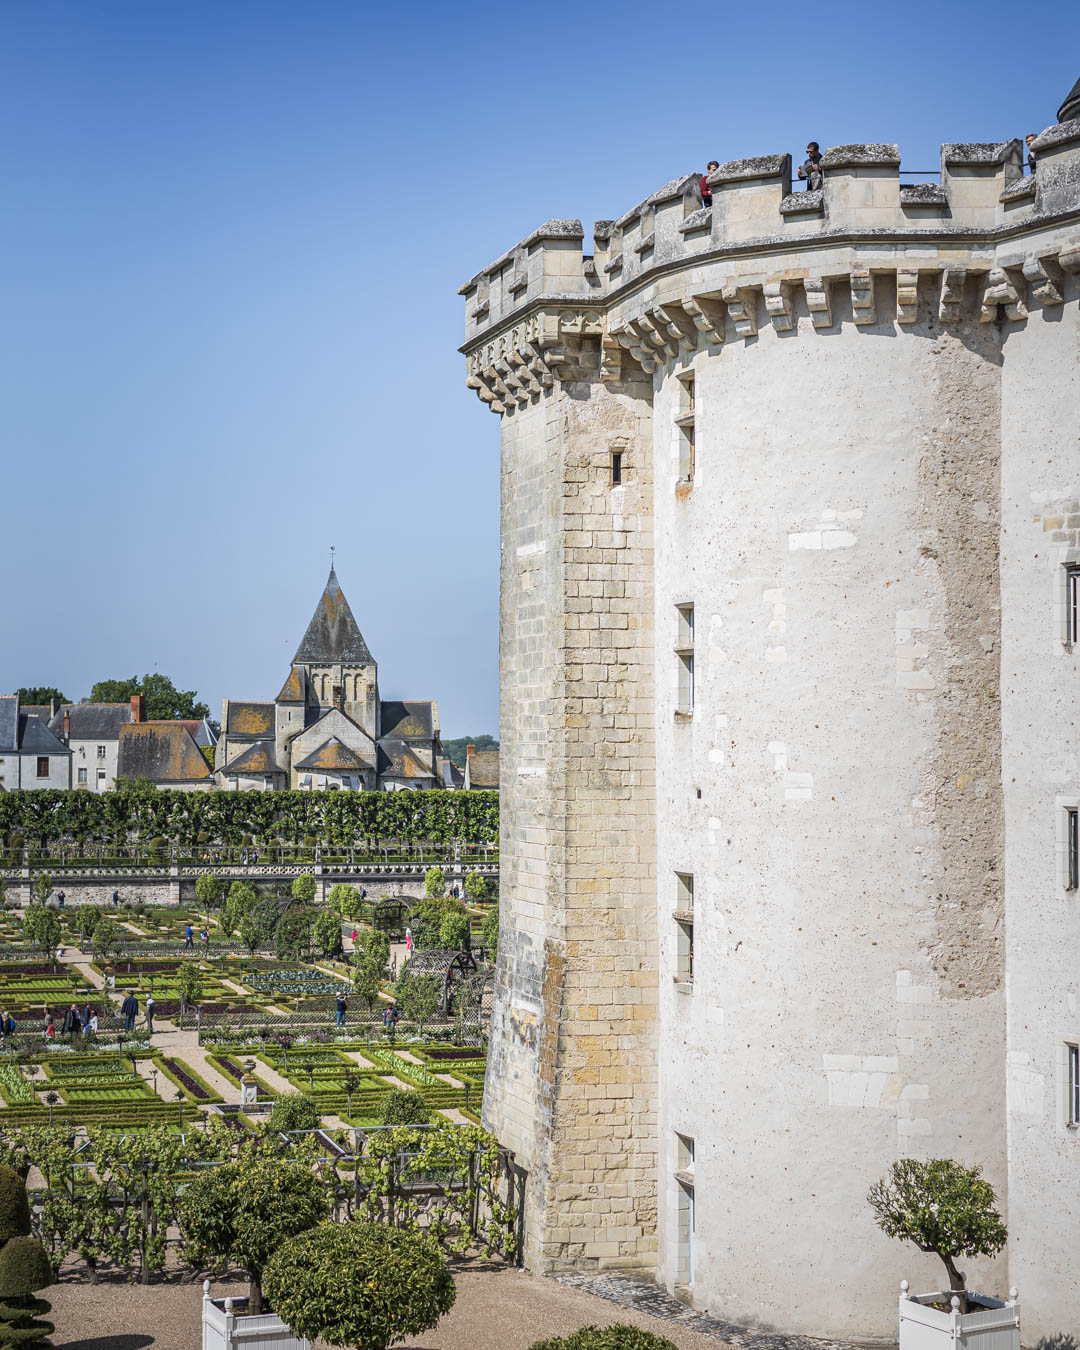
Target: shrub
359 1284
243 1211
435 882
344 899
942 1207
14 1206
489 929
404 1106
618 1336
293 1111
326 932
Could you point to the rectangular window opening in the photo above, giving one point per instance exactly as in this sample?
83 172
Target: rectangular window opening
684 420
684 950
684 1182
101 752
82 775
1072 604
684 652
43 766
1072 836
1074 1085
616 468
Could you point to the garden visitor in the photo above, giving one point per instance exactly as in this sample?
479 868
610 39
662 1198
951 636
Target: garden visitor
130 1009
50 1031
706 193
204 938
72 1022
354 937
342 1005
60 899
7 1023
390 1016
90 1025
189 936
408 942
116 899
149 1014
1029 140
86 1014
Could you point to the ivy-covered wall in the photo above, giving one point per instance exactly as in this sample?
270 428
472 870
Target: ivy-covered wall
226 817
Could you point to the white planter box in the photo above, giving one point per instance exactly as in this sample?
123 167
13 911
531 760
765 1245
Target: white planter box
226 1326
991 1325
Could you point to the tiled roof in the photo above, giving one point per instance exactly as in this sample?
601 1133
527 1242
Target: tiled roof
333 755
250 719
397 760
294 688
406 719
92 721
258 758
332 635
164 752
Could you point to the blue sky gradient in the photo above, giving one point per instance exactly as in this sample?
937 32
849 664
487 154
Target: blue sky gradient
231 240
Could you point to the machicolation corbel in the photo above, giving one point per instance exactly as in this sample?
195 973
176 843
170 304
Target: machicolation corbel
862 296
741 304
1001 290
817 301
778 305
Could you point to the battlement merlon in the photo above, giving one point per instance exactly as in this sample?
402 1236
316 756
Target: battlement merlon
983 198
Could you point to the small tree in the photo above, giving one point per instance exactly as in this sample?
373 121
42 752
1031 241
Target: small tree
476 886
435 882
106 939
376 952
42 926
404 1106
351 1082
366 984
363 1285
191 985
89 917
344 899
24 1269
241 1212
326 932
942 1207
303 888
454 932
251 933
293 1111
43 885
208 891
292 936
419 998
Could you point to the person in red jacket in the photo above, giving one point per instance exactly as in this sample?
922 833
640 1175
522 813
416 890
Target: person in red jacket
706 193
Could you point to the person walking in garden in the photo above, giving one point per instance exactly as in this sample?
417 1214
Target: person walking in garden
342 1004
189 937
204 938
72 1022
408 942
50 1030
149 1014
130 1009
7 1024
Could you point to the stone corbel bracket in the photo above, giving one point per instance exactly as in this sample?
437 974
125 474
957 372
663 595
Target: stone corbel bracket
741 302
817 301
953 282
1005 289
778 305
862 296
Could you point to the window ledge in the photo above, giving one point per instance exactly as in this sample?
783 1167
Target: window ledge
685 420
1072 1125
681 715
683 985
683 915
683 484
687 1178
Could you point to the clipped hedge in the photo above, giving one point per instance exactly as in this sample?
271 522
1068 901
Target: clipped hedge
226 817
618 1336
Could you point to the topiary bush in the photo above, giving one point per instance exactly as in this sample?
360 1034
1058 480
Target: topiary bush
404 1106
24 1269
243 1211
358 1284
293 1111
618 1336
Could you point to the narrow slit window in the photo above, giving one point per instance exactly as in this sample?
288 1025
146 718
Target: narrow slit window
684 654
616 468
1072 604
1074 1085
1072 844
684 946
684 420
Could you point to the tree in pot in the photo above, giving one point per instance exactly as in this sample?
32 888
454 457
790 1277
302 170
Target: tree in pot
241 1212
942 1207
360 1285
24 1269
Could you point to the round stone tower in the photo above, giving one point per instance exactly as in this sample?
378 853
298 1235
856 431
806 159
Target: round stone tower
791 504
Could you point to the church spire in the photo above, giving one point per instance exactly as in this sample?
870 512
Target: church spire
332 636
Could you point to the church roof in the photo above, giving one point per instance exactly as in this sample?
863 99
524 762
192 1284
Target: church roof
332 636
407 719
255 759
250 719
333 754
1071 107
293 690
397 760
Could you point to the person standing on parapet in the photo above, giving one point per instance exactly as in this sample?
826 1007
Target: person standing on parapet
706 191
1030 140
810 168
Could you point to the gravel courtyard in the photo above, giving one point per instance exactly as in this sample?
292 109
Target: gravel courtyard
496 1309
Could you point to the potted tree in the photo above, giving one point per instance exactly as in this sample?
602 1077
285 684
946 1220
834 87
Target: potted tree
240 1213
361 1285
950 1210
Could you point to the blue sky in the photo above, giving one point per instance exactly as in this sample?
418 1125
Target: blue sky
230 243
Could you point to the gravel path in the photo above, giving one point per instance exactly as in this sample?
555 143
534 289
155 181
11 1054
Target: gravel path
496 1309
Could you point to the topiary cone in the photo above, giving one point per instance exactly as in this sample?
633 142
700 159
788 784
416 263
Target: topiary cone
24 1268
14 1206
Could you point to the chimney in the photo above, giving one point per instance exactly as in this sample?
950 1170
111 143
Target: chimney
138 707
67 725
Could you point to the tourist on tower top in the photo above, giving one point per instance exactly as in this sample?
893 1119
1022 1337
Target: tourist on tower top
810 168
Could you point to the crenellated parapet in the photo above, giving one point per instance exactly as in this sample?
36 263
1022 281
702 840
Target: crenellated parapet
670 276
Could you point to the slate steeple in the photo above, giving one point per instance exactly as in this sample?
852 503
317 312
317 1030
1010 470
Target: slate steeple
332 636
1071 107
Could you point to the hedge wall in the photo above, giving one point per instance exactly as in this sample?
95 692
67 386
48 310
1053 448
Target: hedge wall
225 817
